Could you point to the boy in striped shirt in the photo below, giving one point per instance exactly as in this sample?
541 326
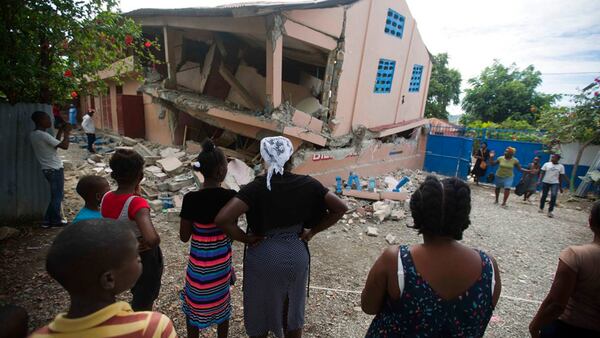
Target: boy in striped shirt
95 260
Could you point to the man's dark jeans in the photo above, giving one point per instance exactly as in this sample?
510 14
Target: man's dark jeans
56 178
553 193
91 138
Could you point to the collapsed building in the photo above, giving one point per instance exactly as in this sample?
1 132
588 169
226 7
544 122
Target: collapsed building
345 80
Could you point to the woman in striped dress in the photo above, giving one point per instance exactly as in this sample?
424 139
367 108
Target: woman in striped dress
206 298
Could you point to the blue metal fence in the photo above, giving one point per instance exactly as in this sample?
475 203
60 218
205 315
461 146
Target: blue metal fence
449 149
448 155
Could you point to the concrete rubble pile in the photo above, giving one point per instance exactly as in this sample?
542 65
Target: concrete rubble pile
168 176
168 173
376 210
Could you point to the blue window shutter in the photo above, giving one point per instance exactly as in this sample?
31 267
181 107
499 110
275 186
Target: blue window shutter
385 76
415 80
394 23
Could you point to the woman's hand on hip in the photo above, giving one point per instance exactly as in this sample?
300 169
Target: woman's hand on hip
307 235
253 240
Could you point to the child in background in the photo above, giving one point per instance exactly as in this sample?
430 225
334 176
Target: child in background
126 205
95 261
206 298
91 189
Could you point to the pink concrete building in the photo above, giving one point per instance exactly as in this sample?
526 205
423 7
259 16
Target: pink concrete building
345 80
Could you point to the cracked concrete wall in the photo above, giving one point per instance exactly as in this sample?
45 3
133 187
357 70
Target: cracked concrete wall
368 158
325 20
157 129
357 18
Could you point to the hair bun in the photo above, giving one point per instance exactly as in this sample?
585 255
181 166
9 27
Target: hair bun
208 146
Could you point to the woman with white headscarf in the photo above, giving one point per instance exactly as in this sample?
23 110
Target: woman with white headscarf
284 211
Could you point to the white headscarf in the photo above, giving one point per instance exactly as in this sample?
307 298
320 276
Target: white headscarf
275 151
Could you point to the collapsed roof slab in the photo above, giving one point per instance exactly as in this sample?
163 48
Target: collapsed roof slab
216 113
246 25
396 128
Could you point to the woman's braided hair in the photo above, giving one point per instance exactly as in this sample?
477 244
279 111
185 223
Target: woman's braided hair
441 208
210 159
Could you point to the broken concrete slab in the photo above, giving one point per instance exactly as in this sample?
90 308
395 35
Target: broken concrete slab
172 152
143 150
397 214
160 176
178 201
304 120
382 210
372 231
162 186
305 135
152 169
128 141
238 174
390 182
156 205
193 147
171 165
373 196
174 186
150 160
395 196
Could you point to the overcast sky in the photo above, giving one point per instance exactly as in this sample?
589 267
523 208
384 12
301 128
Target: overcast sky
561 38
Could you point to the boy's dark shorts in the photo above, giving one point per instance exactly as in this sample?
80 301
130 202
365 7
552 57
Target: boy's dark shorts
147 287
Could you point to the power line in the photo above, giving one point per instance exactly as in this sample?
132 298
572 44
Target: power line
573 73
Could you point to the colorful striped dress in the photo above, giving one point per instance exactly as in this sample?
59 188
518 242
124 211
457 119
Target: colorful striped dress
205 297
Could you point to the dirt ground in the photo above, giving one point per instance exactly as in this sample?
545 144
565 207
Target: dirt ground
526 245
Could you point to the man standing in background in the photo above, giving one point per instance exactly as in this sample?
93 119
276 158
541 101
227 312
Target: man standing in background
551 179
45 148
90 130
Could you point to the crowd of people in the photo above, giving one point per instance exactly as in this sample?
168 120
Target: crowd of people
550 177
439 288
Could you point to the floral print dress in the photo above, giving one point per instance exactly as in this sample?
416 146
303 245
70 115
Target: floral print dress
421 312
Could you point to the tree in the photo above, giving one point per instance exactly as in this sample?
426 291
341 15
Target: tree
52 48
444 88
578 124
500 92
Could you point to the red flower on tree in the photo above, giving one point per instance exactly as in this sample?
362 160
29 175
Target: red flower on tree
148 44
68 73
128 39
73 94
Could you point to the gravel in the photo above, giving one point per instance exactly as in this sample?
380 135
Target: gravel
525 244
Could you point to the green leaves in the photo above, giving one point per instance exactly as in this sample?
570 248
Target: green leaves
578 124
444 88
43 39
501 92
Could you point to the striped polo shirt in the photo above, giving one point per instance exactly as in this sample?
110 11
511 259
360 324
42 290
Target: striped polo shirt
117 320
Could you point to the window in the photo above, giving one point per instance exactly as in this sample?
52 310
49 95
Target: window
415 79
394 23
119 90
385 74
